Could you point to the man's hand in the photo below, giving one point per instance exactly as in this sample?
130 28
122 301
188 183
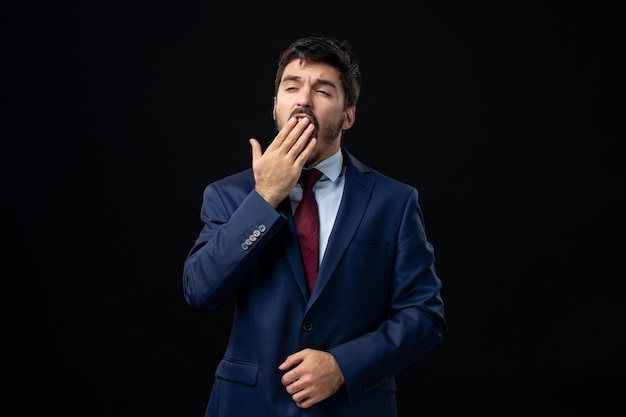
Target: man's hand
277 170
312 376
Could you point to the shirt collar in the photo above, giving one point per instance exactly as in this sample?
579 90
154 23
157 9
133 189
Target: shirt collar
331 167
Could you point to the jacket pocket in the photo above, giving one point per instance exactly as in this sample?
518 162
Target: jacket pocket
235 371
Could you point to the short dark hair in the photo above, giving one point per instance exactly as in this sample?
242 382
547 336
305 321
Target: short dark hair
337 53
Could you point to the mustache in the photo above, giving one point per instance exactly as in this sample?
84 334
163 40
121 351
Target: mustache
308 112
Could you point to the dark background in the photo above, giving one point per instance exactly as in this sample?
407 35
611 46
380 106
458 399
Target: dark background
507 117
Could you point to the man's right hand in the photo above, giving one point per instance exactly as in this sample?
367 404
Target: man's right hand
276 171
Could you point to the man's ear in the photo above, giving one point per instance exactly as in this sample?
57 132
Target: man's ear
349 116
274 109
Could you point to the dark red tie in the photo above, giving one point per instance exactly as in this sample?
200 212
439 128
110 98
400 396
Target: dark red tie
308 225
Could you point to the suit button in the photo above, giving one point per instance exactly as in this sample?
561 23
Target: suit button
307 326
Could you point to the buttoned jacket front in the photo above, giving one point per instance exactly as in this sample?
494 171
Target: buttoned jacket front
376 305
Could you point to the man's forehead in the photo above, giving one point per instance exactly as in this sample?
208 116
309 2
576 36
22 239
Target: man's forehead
312 69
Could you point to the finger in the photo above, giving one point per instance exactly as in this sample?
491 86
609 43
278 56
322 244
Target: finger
303 400
283 134
302 143
290 362
299 135
290 377
300 399
306 152
294 387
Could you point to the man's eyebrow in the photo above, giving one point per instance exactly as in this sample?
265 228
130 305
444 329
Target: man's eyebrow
322 81
291 78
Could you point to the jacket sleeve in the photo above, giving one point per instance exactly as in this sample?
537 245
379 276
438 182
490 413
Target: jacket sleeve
235 231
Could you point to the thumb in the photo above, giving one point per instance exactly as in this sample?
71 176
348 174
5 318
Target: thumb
256 149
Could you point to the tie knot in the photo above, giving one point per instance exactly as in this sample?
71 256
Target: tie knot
309 177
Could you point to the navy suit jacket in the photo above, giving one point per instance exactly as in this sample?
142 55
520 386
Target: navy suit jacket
376 305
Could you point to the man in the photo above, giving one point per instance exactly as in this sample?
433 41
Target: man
375 306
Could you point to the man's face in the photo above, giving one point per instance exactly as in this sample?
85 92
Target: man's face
314 90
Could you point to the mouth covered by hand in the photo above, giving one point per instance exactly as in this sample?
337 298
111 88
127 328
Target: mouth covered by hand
302 112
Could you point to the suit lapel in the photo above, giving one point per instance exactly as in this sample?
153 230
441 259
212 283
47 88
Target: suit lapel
356 195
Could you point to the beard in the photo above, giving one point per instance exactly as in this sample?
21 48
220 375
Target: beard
325 138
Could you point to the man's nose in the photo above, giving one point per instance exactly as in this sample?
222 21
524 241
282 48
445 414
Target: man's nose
304 97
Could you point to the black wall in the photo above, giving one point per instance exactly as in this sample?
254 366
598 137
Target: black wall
507 118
